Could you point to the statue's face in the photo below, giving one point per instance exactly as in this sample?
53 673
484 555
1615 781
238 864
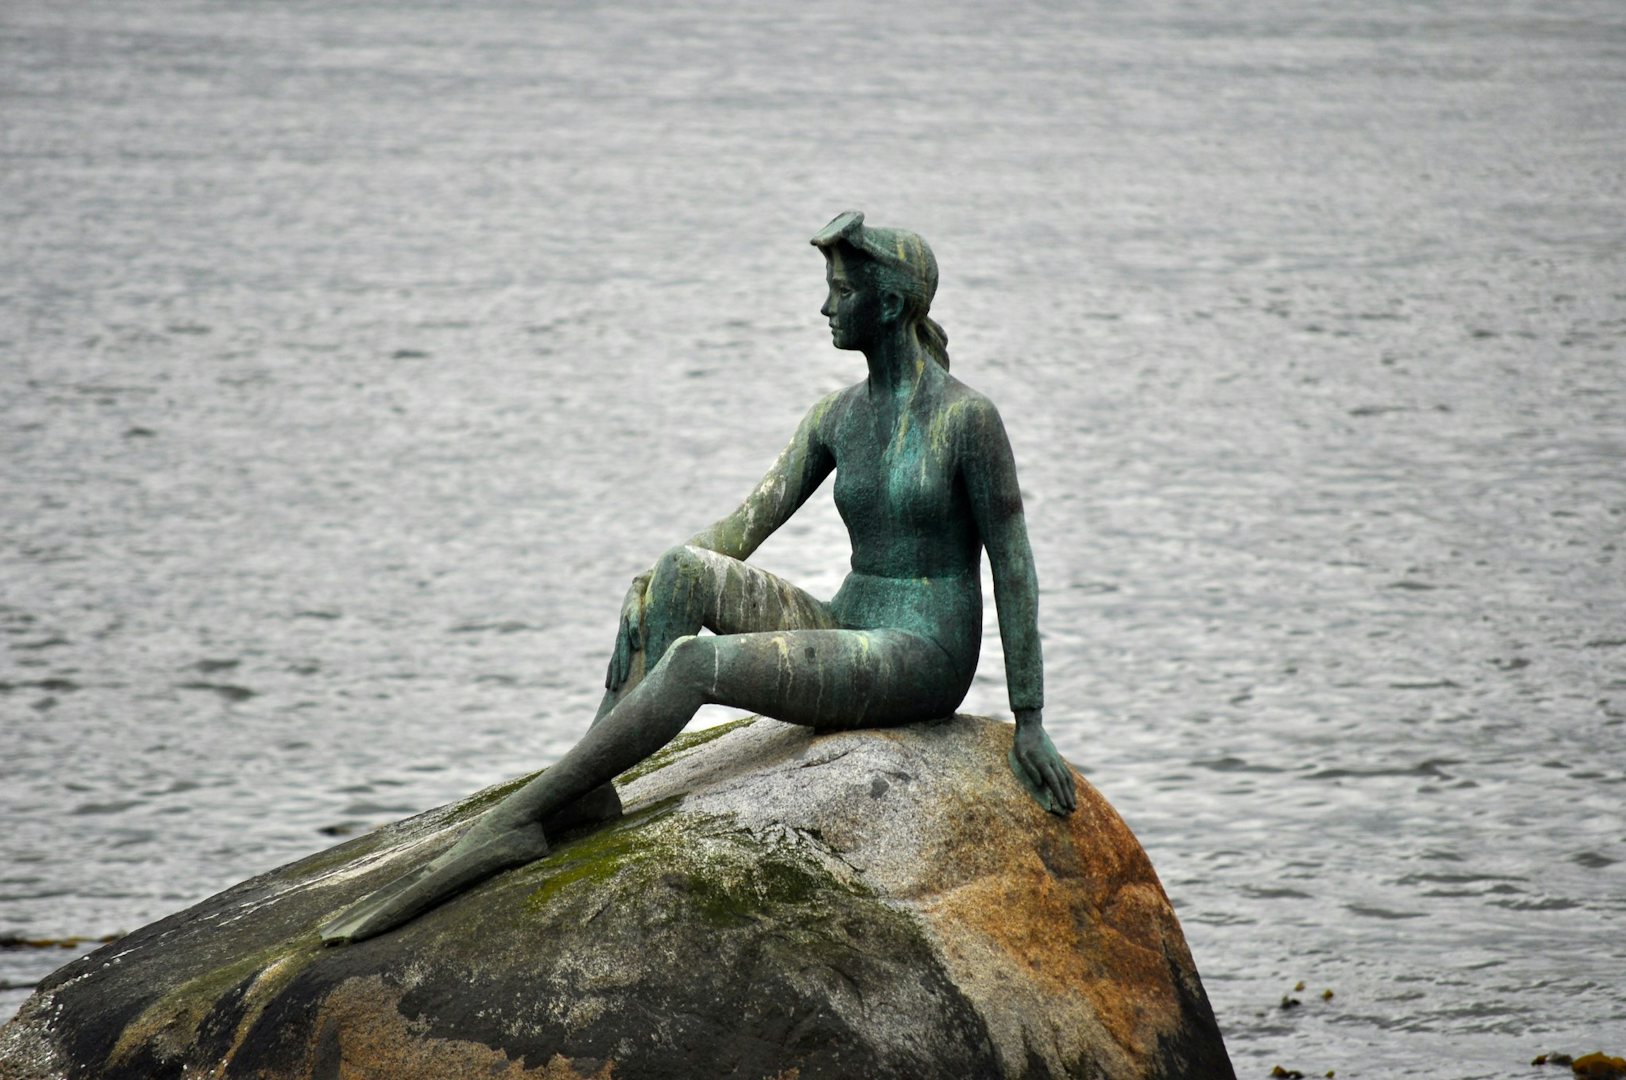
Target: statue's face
852 305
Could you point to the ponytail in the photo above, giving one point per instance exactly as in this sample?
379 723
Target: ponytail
934 339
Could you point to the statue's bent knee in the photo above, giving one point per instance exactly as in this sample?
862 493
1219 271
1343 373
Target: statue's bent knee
676 573
688 660
684 559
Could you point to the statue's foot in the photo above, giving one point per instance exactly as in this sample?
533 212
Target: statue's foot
482 852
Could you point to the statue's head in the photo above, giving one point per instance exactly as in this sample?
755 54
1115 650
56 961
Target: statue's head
889 261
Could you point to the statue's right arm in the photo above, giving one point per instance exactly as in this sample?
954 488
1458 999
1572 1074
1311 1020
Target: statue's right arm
795 475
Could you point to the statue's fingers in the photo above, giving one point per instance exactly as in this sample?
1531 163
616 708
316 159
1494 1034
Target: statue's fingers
1035 773
1064 787
620 663
1054 783
1053 802
1048 769
631 621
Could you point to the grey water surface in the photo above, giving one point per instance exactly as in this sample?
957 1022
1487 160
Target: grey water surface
353 356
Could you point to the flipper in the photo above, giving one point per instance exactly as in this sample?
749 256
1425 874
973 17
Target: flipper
484 851
479 855
354 922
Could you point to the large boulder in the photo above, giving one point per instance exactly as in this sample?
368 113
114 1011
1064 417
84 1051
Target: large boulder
775 903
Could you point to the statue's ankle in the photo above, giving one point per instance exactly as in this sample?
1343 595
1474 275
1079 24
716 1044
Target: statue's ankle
595 807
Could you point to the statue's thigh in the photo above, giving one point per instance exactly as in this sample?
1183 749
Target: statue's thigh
834 678
738 598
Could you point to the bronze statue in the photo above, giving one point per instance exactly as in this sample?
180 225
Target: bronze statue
924 481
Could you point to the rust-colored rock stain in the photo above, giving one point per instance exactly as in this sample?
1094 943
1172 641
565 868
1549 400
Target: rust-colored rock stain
1081 914
361 1023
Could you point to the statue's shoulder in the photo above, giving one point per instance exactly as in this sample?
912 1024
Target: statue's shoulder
831 407
966 408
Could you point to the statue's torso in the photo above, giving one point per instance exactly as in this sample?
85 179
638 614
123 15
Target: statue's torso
916 558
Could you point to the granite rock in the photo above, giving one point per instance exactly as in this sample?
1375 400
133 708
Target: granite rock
776 903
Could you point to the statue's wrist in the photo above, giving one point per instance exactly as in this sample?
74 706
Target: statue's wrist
1029 718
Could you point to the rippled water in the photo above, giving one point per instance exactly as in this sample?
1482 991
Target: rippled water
353 356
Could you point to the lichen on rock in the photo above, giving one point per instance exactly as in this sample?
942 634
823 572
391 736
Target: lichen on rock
775 902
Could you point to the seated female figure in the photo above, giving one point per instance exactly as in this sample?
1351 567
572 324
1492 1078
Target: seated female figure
925 481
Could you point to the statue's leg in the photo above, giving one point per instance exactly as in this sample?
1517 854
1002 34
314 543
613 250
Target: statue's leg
690 589
693 589
822 678
829 679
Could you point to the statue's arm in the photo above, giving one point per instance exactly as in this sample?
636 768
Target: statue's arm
989 470
798 471
795 475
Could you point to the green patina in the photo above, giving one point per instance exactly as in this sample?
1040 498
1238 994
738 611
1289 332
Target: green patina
925 483
351 850
478 803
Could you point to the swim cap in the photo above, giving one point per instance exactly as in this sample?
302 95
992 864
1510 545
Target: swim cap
903 252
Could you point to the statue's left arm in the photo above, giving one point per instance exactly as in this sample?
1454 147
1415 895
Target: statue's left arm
989 469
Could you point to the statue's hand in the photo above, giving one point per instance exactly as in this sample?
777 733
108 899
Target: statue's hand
1041 768
629 638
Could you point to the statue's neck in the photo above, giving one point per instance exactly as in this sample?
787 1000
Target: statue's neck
894 362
